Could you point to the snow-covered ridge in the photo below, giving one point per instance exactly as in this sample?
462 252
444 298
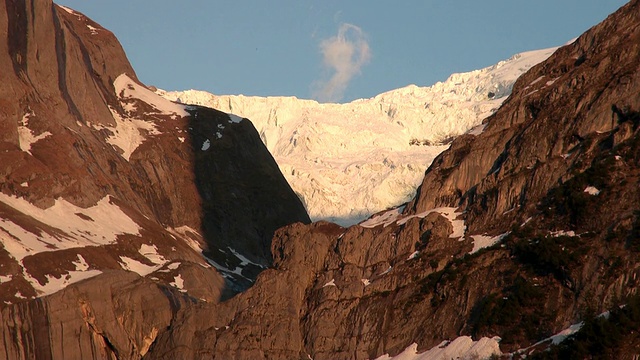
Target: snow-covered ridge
348 161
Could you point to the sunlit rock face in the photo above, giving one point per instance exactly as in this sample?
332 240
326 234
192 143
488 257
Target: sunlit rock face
117 206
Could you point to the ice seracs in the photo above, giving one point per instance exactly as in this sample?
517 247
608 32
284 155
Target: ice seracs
370 153
463 348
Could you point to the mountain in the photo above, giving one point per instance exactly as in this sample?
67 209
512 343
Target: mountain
370 153
117 207
132 226
518 230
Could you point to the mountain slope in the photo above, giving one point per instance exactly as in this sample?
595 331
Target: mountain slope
370 153
517 231
110 195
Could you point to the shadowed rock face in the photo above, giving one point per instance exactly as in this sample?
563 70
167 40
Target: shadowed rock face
108 196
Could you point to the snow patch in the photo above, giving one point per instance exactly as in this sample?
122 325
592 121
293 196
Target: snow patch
569 233
591 190
127 89
178 282
387 271
127 135
205 145
383 219
136 266
450 213
151 253
70 11
234 118
477 130
463 348
330 283
26 137
187 234
483 241
54 284
100 224
129 132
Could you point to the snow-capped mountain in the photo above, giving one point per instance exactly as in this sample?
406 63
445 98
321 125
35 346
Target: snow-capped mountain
371 153
110 196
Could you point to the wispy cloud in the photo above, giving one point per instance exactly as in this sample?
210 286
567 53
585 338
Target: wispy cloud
343 55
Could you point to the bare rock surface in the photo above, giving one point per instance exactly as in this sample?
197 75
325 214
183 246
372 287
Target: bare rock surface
517 230
117 207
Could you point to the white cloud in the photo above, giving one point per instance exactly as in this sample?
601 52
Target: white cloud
344 55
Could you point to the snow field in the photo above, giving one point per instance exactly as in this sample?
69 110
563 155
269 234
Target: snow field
348 161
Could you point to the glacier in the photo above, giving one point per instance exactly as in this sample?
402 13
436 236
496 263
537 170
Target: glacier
349 161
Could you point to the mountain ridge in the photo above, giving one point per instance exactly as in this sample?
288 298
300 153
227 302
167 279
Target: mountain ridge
369 153
104 183
524 225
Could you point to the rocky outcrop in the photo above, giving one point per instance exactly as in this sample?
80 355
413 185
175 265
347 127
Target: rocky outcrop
544 129
110 195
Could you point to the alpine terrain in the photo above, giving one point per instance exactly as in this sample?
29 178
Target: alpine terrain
348 161
133 226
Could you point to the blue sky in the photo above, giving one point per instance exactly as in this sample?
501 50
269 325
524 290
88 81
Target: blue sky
330 50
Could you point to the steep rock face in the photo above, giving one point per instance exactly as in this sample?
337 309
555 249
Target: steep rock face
539 134
517 231
110 194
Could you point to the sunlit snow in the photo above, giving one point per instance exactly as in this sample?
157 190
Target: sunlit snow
483 241
370 153
26 136
332 282
178 282
591 190
462 348
450 213
54 284
130 131
67 226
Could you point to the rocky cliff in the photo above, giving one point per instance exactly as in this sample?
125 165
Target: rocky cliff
517 231
117 207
